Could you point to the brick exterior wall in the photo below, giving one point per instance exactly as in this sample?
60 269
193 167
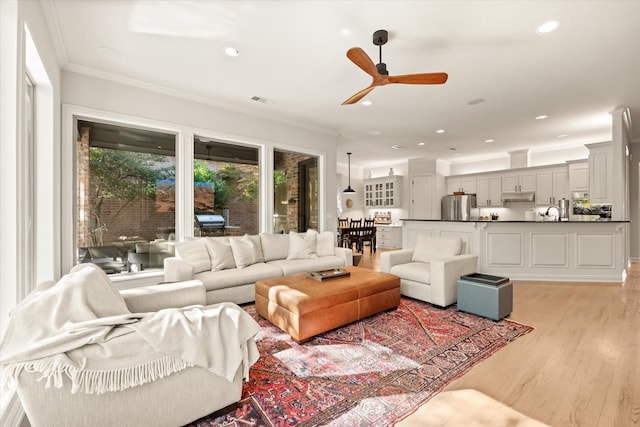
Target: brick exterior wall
148 218
83 214
289 163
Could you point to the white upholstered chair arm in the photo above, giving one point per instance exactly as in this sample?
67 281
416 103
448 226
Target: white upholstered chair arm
445 274
176 270
346 254
391 258
146 299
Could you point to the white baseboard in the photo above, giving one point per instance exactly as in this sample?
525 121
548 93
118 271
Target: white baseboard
12 413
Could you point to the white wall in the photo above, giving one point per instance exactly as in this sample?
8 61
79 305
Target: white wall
14 17
634 199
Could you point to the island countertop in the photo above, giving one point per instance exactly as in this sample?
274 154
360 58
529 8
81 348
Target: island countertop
586 251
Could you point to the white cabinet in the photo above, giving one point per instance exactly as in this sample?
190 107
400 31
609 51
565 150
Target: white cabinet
384 192
464 184
388 236
489 191
600 173
579 177
552 185
519 182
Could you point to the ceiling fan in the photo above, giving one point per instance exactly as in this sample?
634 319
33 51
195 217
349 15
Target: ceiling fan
379 71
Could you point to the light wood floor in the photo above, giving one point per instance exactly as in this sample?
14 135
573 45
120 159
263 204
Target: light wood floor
581 364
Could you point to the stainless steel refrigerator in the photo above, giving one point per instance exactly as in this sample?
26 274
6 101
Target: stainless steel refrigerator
458 208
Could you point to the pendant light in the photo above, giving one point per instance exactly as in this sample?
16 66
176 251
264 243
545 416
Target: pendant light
349 189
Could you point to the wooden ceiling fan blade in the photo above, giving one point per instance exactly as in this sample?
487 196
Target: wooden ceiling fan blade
359 95
420 79
362 60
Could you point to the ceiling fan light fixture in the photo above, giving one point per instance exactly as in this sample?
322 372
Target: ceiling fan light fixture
349 190
379 72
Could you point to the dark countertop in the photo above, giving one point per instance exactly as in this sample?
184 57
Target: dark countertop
522 221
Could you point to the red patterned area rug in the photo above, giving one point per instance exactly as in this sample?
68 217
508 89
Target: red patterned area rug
373 372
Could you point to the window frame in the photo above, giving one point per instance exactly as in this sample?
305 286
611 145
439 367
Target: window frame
185 136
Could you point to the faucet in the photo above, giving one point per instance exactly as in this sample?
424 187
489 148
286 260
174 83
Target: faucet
557 210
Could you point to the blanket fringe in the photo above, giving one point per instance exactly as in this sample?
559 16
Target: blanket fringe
99 381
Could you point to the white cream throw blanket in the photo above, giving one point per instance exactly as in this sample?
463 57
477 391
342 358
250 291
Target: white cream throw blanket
80 327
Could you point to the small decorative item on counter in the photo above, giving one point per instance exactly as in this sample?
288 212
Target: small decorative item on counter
494 216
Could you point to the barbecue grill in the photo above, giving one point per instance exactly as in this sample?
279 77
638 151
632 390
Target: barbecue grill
210 223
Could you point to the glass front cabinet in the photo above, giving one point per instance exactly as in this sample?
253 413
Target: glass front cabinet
383 192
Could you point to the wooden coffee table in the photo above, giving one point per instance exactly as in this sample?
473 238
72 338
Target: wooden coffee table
304 307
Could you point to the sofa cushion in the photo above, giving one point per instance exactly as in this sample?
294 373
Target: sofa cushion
246 250
214 280
302 245
194 253
415 271
325 242
429 248
274 246
220 253
295 266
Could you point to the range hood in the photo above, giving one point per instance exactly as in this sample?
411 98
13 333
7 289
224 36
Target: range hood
519 196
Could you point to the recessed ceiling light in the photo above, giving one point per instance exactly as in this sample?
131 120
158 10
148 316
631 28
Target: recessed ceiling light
375 132
396 147
564 135
366 103
231 51
475 101
420 143
440 131
488 141
548 27
541 117
112 54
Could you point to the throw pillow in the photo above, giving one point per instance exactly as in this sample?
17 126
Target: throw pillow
325 242
194 253
429 248
220 253
274 246
302 245
245 251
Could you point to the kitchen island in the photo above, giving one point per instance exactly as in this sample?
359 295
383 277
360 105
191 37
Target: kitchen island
584 251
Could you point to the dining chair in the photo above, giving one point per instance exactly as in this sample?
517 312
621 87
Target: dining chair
367 236
355 231
343 231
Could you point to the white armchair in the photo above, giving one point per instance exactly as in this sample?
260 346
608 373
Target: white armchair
430 271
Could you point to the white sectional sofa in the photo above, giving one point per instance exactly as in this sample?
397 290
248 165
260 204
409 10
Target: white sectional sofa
152 392
230 266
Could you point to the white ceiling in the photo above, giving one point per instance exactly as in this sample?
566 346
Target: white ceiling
293 53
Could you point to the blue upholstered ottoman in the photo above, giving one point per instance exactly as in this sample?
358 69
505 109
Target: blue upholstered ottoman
492 301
